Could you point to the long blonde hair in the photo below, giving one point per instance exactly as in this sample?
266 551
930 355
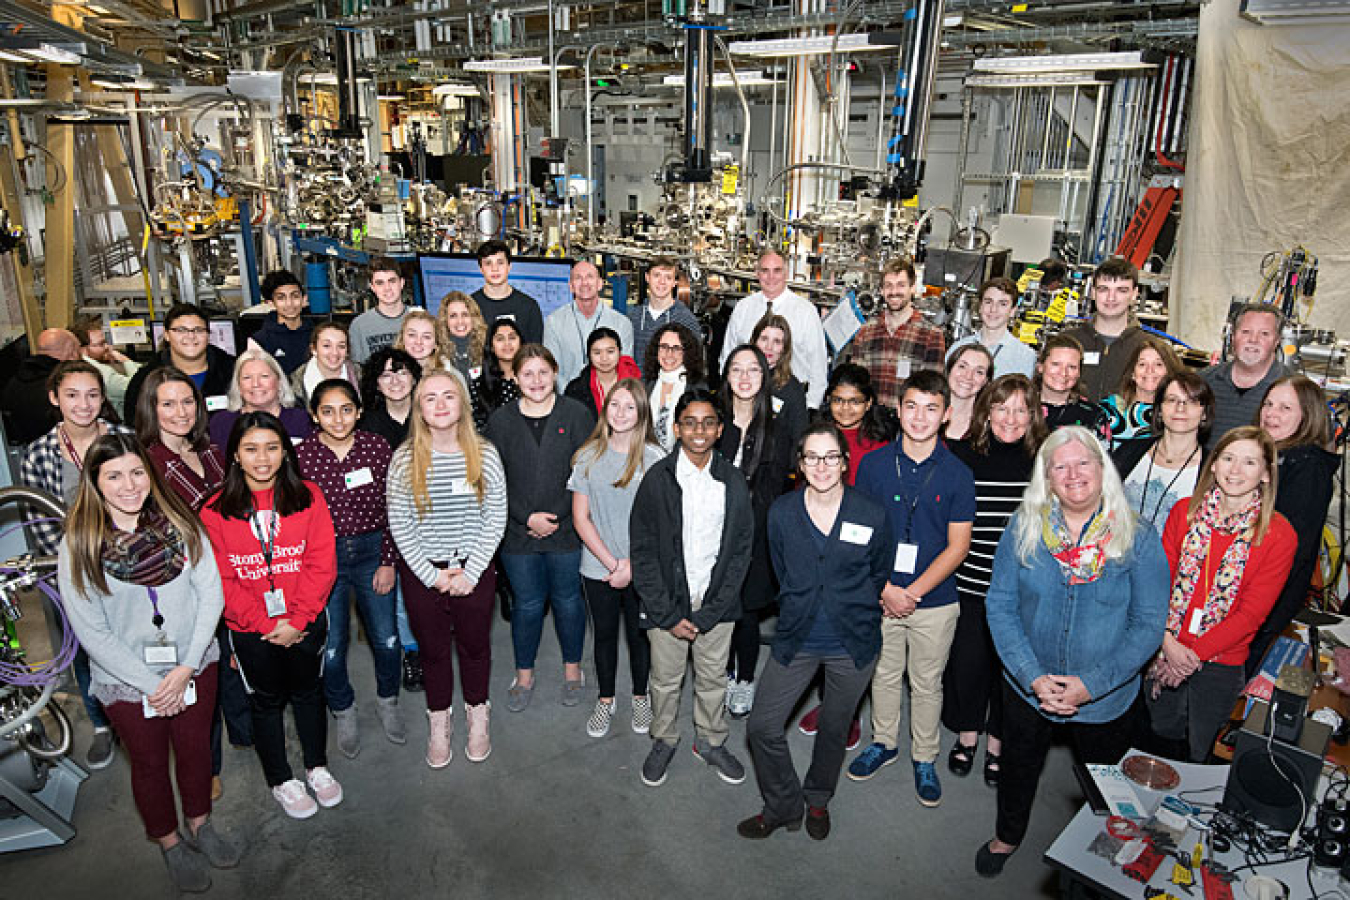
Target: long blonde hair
88 524
643 433
1206 481
477 335
1038 497
418 443
438 329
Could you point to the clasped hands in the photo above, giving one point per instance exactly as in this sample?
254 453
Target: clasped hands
1174 664
898 602
1060 695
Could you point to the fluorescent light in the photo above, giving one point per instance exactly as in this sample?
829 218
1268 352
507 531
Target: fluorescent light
1064 62
1049 79
48 53
451 89
7 56
749 78
390 97
516 66
807 46
328 78
952 21
115 84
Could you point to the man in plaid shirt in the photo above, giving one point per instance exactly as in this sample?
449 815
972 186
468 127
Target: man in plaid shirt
898 342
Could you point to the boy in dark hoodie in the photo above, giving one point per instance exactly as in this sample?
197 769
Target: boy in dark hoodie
284 334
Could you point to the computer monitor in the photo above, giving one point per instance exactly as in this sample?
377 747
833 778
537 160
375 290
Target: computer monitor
222 334
544 279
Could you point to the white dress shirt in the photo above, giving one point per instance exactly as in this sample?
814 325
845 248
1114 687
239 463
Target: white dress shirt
703 504
810 357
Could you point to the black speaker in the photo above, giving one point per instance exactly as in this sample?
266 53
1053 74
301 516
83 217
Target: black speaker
1332 849
1272 781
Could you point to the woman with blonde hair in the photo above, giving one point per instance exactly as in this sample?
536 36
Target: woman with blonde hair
1076 607
447 513
143 595
773 336
465 333
260 385
1230 553
425 339
606 472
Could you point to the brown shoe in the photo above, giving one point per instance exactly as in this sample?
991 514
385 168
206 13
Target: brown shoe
217 788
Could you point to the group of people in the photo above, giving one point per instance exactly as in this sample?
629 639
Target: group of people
978 528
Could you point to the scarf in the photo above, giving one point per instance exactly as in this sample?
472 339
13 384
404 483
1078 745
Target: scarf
151 557
1083 560
663 412
1194 553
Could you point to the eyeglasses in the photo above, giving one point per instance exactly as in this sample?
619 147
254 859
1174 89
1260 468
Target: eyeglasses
831 460
741 371
708 424
853 402
670 348
391 374
1181 402
184 331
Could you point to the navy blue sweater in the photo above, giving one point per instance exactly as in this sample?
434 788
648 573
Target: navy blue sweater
290 348
842 580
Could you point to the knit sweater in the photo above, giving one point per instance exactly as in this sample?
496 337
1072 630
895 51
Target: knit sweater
457 529
304 563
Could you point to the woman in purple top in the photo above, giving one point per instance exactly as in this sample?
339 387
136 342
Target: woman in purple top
259 385
350 466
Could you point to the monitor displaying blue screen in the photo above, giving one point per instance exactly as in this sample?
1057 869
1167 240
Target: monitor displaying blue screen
546 280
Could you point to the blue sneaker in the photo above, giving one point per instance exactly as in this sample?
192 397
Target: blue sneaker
871 760
926 783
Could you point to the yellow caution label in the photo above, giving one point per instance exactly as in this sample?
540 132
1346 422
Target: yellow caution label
1020 7
730 178
127 323
912 202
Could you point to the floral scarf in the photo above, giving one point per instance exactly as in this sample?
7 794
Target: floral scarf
151 557
1194 552
1082 559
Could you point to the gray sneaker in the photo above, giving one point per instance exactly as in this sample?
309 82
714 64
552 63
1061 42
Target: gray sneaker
728 767
102 749
658 760
571 691
517 697
391 719
187 869
219 852
348 737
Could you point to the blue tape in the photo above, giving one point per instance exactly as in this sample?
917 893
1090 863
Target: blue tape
911 13
895 158
898 109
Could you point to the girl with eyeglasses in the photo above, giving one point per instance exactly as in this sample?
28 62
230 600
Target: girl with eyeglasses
832 549
1159 472
851 404
759 444
674 364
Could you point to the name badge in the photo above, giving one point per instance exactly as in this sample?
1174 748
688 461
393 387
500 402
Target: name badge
295 441
358 478
476 372
1092 358
777 405
217 402
460 486
906 558
902 368
1195 622
855 534
275 601
161 654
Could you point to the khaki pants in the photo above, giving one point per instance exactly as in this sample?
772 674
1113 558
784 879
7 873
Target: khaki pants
917 645
670 655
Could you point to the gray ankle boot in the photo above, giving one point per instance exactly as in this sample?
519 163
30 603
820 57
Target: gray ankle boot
348 738
187 868
391 718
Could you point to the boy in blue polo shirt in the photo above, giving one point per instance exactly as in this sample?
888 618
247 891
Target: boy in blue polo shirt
929 495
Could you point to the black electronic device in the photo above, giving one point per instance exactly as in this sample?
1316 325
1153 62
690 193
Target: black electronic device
1332 847
1271 780
1289 701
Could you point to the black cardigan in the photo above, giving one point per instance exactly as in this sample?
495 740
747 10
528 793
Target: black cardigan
656 548
844 581
537 472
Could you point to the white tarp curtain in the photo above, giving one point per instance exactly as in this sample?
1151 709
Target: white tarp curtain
1268 167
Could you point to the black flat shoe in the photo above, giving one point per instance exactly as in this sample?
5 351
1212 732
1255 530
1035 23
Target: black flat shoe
991 769
757 828
962 759
818 822
989 864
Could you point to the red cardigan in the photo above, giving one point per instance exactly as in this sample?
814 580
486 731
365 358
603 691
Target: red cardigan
859 445
1262 580
304 564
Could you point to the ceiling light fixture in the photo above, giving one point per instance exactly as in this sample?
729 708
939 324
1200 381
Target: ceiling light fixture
1064 62
1047 79
453 89
822 44
516 66
749 78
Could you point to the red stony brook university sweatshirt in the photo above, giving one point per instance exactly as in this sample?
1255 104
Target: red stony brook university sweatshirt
304 564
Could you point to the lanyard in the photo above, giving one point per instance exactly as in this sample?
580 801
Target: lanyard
1148 479
913 501
70 448
157 619
576 323
273 529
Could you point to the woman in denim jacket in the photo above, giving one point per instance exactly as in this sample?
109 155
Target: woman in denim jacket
1077 606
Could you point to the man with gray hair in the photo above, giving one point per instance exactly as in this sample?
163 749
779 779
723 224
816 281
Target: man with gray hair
1240 384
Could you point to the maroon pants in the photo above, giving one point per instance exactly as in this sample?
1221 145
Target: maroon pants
447 626
148 743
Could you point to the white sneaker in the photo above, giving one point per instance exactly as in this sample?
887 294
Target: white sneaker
295 800
325 787
740 697
597 726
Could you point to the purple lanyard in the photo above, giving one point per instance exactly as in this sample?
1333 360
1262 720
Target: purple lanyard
157 620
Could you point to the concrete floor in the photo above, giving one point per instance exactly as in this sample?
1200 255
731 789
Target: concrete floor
552 813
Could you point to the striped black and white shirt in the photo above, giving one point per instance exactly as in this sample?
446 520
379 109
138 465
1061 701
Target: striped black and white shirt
1001 477
458 529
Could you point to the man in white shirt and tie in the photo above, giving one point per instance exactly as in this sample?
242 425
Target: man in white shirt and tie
810 356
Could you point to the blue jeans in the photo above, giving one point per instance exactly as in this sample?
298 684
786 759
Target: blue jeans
358 557
539 579
405 634
92 707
